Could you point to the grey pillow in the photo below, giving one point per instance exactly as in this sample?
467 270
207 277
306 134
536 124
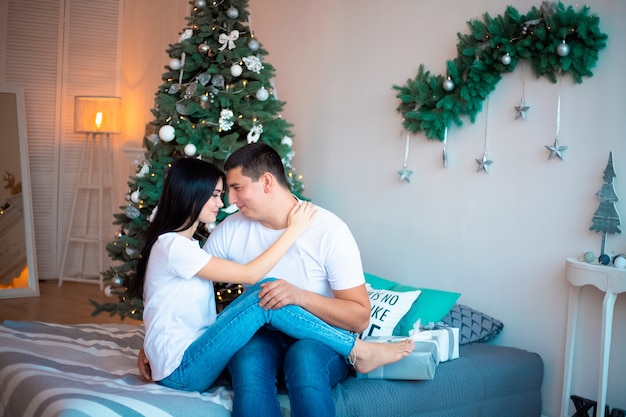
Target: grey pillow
474 326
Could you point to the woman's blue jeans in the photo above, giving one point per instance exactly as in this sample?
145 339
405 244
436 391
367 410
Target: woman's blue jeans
207 357
310 369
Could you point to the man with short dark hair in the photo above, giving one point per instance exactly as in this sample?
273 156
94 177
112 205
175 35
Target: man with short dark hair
322 273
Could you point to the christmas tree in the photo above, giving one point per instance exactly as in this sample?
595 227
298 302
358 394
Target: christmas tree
606 219
215 97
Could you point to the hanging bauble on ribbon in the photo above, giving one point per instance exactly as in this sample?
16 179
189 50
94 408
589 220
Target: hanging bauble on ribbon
562 49
253 45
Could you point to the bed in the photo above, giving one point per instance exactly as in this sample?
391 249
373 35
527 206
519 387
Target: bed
90 370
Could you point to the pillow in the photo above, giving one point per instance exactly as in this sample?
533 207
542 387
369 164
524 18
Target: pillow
473 325
431 306
388 307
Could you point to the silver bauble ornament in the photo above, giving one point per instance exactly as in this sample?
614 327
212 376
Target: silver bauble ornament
232 12
506 59
204 48
448 84
167 133
135 197
117 281
236 70
200 3
262 94
253 45
562 49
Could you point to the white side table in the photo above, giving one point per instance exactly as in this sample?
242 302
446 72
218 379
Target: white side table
611 281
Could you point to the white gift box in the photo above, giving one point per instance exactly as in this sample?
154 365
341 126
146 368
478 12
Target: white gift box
446 338
418 365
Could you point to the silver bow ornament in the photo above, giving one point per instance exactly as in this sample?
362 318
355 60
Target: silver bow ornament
228 40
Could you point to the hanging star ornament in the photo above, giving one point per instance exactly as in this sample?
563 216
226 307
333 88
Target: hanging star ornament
405 174
484 163
556 149
521 109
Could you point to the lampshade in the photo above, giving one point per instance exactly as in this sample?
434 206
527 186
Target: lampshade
97 114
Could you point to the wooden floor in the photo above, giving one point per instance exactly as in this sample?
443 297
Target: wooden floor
68 304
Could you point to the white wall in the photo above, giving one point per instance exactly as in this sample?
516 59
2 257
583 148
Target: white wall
501 239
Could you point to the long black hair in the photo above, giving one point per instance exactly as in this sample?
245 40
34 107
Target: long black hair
188 185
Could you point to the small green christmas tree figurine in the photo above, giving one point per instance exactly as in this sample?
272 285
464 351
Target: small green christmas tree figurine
606 219
216 96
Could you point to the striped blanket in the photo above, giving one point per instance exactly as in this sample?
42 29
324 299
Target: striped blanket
88 370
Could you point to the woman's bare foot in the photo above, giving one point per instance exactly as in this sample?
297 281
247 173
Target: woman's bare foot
368 356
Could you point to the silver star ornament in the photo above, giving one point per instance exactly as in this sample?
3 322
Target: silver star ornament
556 149
405 174
484 163
521 109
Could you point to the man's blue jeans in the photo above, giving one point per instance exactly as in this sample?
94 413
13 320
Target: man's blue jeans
206 358
310 368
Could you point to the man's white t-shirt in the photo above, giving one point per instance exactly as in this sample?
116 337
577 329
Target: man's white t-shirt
324 258
178 306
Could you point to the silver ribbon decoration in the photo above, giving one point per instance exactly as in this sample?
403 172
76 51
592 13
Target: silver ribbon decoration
255 133
228 40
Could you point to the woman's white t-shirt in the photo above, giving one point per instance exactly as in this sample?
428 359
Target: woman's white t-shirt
178 305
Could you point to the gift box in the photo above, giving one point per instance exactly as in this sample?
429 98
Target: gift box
420 364
446 338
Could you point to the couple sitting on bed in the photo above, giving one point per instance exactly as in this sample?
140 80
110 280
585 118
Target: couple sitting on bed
276 323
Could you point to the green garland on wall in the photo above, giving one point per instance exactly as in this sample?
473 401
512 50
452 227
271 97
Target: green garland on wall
554 38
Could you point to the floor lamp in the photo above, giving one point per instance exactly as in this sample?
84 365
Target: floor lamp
97 118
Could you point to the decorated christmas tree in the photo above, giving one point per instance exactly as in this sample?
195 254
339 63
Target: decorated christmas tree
606 219
215 97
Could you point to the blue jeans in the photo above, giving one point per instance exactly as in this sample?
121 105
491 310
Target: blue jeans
206 358
310 369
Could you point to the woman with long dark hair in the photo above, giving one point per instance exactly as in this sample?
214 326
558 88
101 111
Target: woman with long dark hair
187 344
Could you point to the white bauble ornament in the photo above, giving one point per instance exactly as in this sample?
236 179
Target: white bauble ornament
167 133
236 70
253 44
232 12
190 149
620 262
108 291
262 94
286 140
175 64
506 59
135 197
562 49
448 84
200 3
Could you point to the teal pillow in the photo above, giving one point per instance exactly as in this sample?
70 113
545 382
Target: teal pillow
431 306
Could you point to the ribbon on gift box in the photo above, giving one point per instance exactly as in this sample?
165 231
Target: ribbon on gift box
429 332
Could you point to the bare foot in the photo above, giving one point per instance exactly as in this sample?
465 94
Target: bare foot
370 355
